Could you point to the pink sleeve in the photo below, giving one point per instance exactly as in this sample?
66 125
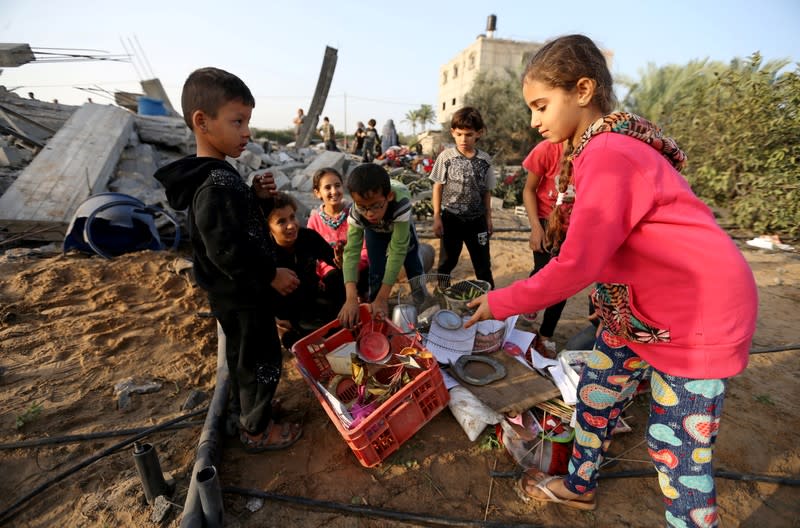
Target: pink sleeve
611 198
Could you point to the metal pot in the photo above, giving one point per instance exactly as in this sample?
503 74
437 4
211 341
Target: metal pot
404 316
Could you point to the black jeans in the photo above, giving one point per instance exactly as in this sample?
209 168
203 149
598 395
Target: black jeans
552 313
254 357
472 232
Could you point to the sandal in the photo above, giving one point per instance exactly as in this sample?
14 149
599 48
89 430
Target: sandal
524 492
275 436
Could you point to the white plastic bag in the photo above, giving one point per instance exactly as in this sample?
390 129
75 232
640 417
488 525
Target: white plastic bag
471 414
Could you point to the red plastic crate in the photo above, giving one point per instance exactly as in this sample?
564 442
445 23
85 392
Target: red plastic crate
397 419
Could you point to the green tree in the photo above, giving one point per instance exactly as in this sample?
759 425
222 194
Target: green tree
509 136
426 116
412 117
740 127
658 89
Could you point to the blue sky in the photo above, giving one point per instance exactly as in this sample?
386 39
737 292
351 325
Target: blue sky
389 53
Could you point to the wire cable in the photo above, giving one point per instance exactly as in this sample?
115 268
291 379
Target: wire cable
11 511
368 511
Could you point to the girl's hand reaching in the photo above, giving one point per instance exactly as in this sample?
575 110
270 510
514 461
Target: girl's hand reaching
482 312
338 254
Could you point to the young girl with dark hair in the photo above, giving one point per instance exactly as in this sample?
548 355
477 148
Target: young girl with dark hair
330 221
675 295
299 249
546 168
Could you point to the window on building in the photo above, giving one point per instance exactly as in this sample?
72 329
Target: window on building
454 101
471 63
444 78
443 105
455 71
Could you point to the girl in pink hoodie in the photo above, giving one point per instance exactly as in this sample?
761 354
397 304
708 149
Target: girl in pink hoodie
675 295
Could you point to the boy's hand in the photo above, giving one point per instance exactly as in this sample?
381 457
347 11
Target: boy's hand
438 228
489 226
264 185
285 281
348 315
482 310
379 308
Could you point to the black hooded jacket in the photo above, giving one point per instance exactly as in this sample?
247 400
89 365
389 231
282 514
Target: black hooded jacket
229 234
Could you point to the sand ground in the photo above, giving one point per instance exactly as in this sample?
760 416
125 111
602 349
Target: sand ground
71 327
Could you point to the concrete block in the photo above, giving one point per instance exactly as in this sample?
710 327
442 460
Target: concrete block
255 148
249 159
305 203
326 158
302 182
290 167
281 180
9 157
161 510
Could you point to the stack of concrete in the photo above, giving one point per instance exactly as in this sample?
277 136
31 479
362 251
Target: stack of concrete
140 144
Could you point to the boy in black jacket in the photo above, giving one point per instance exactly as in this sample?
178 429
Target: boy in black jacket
232 258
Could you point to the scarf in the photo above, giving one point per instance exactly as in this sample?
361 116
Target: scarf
333 221
635 127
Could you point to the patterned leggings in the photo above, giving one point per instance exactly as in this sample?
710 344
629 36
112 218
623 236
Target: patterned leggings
683 424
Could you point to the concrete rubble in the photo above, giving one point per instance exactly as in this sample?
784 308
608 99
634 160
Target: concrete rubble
153 142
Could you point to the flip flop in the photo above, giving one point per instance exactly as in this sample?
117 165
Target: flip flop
521 489
275 436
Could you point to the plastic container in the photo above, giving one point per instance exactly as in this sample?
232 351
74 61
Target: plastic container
151 107
461 293
396 420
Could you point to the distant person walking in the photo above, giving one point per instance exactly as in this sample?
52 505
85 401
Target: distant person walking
298 125
358 139
328 134
371 141
389 136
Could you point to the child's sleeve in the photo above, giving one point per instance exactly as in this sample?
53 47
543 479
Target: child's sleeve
224 234
439 171
352 253
491 177
398 248
401 234
321 249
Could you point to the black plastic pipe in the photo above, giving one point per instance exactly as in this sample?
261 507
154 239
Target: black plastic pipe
82 437
209 447
210 497
11 511
378 513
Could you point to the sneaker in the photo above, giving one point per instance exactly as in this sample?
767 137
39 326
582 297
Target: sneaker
548 345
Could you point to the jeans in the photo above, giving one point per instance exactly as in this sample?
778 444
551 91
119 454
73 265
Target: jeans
681 430
472 232
377 246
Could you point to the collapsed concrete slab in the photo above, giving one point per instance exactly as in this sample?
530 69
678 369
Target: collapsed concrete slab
76 163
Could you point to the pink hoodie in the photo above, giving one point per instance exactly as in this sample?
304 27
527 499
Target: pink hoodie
636 222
